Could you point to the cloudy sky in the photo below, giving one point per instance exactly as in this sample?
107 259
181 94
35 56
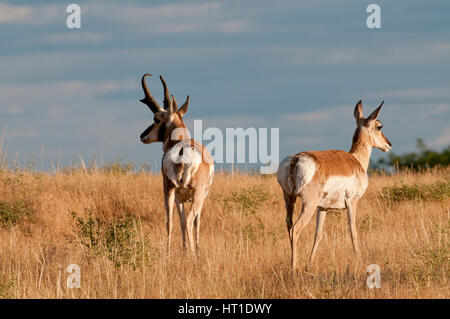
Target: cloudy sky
297 65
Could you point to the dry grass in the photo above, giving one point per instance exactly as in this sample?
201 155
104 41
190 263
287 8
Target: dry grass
113 226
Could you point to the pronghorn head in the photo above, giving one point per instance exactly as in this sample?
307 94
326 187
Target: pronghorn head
369 129
166 119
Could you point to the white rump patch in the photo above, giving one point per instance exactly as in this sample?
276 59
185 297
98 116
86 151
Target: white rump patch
302 174
181 162
283 175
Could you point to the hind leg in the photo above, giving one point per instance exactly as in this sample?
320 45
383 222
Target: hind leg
289 201
310 198
194 211
181 213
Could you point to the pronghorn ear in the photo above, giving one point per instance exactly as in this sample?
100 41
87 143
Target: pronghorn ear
183 109
358 112
375 113
175 104
172 105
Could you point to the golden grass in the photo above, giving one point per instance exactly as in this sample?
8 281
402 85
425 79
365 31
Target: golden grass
245 251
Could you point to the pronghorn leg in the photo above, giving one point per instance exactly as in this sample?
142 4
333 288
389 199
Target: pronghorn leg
181 213
351 213
320 220
290 204
169 200
189 227
194 211
197 231
308 210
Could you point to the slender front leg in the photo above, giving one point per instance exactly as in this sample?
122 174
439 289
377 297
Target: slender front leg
290 204
308 210
181 213
169 200
351 213
320 220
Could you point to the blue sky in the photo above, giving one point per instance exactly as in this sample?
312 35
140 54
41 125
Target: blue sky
297 65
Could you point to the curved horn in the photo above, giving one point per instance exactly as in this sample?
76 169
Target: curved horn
166 93
148 99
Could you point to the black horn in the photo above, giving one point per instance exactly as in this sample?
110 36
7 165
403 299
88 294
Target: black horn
166 93
148 99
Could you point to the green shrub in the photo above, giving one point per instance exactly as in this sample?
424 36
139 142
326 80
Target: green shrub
13 213
117 167
431 262
117 240
6 287
436 192
248 200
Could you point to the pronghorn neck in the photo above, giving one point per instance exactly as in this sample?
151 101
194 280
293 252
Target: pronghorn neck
170 137
361 148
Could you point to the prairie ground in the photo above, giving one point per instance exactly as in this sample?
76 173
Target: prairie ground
112 224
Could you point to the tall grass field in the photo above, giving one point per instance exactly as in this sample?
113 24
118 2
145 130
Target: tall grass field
111 223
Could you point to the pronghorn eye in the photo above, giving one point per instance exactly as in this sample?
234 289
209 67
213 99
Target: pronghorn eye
379 127
156 120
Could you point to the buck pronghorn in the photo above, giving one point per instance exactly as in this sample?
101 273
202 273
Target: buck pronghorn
187 166
330 179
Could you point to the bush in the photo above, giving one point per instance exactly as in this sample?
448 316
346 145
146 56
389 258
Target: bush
117 240
12 214
248 200
432 262
436 192
6 287
117 167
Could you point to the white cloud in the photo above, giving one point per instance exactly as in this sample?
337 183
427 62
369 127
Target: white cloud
306 140
13 110
21 134
443 139
60 90
319 116
14 14
72 38
233 121
412 93
58 99
168 18
435 110
233 26
40 14
140 19
440 46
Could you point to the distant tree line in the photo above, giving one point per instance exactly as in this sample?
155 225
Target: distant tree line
422 158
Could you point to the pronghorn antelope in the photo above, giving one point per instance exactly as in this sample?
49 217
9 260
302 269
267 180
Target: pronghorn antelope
187 166
330 179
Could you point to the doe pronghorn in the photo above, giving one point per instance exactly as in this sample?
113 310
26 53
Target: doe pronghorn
330 179
187 166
